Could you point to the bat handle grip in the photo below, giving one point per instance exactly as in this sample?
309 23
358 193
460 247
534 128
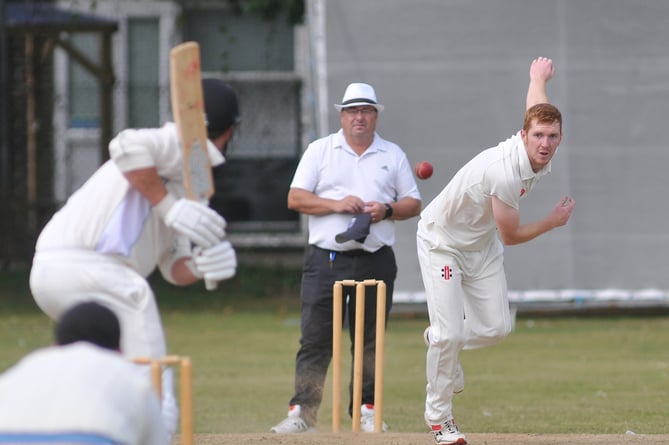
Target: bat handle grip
211 284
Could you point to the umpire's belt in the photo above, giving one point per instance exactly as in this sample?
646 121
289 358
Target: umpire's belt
354 252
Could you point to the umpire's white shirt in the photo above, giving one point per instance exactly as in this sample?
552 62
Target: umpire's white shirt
460 218
80 389
331 169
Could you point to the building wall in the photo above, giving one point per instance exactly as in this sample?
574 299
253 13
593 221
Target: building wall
453 76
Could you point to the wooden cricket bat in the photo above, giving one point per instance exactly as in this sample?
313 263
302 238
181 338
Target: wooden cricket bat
189 116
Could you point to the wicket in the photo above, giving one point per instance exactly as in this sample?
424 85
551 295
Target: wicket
358 346
185 387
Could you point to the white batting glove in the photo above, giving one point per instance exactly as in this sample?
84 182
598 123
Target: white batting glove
199 223
217 263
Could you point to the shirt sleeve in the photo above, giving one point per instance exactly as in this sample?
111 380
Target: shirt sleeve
181 248
308 169
406 183
502 184
134 149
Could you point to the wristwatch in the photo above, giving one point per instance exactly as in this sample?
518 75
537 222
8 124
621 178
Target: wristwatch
389 211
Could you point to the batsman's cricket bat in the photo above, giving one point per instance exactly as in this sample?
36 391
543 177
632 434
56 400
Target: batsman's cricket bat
189 116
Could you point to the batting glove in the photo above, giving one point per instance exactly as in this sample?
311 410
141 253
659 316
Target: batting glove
199 223
217 263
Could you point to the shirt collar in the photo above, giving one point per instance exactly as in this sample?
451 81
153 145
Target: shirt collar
340 142
216 158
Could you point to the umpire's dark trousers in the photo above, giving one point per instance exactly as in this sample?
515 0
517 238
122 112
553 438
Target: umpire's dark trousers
321 269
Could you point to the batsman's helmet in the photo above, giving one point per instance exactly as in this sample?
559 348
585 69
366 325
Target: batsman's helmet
220 105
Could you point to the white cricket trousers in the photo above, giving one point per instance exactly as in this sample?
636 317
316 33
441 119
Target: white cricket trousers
62 278
468 308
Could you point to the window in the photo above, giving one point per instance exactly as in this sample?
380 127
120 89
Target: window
143 82
231 42
253 185
257 58
83 98
140 94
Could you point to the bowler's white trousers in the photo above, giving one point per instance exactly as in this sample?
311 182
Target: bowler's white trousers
468 308
60 278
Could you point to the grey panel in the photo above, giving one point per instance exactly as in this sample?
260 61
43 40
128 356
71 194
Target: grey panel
453 76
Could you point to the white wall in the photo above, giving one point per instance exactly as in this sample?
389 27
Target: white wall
453 76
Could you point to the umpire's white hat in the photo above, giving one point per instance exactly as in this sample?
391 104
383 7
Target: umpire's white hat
359 94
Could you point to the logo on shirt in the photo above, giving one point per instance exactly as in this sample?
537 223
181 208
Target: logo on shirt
385 167
522 191
446 272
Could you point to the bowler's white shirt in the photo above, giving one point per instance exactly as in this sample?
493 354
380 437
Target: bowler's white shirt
461 216
331 169
110 217
80 389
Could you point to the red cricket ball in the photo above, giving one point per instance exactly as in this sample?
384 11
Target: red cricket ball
423 169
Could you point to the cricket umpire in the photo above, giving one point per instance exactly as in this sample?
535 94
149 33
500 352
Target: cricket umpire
127 219
353 185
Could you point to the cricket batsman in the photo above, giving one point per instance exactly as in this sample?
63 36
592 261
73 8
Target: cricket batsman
127 219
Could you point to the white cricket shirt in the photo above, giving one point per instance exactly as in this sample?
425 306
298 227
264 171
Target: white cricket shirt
461 216
331 169
80 389
108 216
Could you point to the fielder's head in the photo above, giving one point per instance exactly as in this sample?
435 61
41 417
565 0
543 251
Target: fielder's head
90 322
222 110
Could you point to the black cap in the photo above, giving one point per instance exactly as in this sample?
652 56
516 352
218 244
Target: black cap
358 229
220 105
91 322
